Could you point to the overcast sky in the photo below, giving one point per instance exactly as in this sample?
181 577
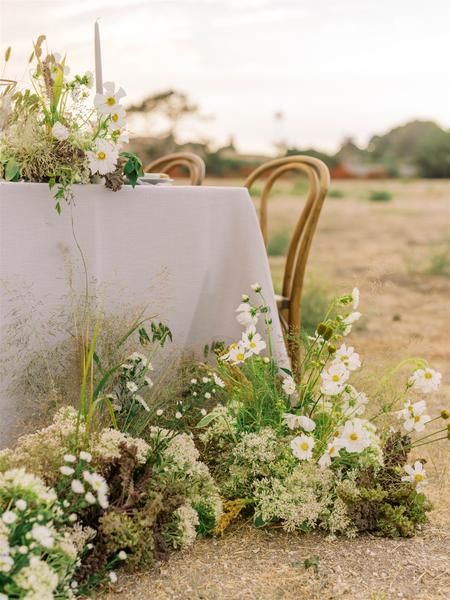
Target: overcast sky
334 68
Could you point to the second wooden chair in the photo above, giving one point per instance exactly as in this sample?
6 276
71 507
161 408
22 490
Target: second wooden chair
167 164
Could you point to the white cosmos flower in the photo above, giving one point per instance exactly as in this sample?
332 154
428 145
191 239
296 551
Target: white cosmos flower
415 417
354 437
90 498
238 353
348 321
355 298
348 357
334 379
291 420
252 341
86 456
107 103
117 119
70 458
60 132
302 447
354 402
289 386
425 380
416 474
246 316
103 159
6 562
331 452
42 535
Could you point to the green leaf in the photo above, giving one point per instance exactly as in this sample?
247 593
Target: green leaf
207 419
12 170
312 561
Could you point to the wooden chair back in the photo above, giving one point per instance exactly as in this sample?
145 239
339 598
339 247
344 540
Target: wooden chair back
289 303
166 164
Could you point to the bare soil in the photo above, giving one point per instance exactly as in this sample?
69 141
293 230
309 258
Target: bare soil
385 249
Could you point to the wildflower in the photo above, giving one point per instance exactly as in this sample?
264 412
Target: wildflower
21 504
302 447
246 314
203 412
103 159
348 357
252 341
256 287
77 486
86 456
331 452
334 379
414 415
238 353
159 412
416 474
193 381
65 470
295 421
60 132
122 555
355 298
73 517
112 577
218 381
43 536
132 387
425 380
354 402
90 498
245 298
9 517
289 386
142 402
6 562
108 102
354 438
70 458
178 415
117 119
207 395
349 320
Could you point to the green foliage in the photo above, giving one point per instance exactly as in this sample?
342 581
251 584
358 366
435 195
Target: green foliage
278 244
133 168
380 196
315 301
335 193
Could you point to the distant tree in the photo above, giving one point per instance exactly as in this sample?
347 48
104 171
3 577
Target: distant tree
171 105
432 155
329 159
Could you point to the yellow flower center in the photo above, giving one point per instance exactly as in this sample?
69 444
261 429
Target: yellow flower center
252 345
428 375
354 436
110 101
115 118
240 356
419 477
304 446
101 155
417 418
335 378
331 450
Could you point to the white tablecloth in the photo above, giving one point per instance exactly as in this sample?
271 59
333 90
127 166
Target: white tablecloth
187 253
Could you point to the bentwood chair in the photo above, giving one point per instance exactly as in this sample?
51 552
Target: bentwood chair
289 302
166 164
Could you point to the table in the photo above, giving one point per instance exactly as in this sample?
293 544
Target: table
184 254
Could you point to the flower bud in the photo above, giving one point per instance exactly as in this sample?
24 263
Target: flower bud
328 333
321 328
331 349
445 414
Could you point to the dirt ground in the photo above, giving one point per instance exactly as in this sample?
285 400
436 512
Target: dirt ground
387 249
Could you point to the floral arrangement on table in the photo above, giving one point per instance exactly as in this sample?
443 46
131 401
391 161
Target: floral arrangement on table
133 474
53 133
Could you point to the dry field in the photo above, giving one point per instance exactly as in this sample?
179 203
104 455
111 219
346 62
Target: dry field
398 253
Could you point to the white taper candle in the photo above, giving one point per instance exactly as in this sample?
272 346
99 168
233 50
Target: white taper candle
98 61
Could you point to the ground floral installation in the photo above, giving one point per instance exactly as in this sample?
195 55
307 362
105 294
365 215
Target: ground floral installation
52 132
131 475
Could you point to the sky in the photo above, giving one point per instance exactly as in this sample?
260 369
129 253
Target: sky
332 68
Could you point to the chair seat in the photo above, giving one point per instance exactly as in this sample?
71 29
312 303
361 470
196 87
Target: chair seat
282 302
